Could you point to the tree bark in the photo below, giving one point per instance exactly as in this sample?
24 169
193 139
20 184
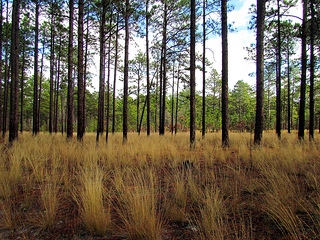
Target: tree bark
115 79
40 84
126 73
102 72
35 86
52 39
224 124
6 79
177 101
1 99
303 73
108 79
278 80
148 68
70 79
14 94
261 11
193 75
22 87
289 98
172 102
80 73
204 70
164 74
311 106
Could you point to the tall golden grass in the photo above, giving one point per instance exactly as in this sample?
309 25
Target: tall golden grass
156 188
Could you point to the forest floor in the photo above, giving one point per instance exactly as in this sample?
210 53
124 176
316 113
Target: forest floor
156 188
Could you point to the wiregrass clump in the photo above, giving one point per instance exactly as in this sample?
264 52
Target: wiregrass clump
143 190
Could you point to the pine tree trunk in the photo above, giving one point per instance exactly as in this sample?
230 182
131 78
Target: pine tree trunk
52 40
80 73
303 73
148 68
192 75
225 134
278 80
35 86
114 79
164 72
204 70
40 84
85 75
56 100
172 102
126 73
311 106
6 79
70 79
102 73
289 98
177 102
108 79
14 94
260 72
138 103
22 88
1 98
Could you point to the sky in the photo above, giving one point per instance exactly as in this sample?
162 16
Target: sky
239 68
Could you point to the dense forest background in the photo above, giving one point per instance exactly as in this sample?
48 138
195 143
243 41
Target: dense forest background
50 33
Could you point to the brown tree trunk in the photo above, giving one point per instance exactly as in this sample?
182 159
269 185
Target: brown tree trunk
278 80
14 94
224 124
115 78
148 68
126 72
177 102
22 87
35 85
40 84
172 102
108 79
164 72
102 72
6 79
193 75
138 102
51 69
261 10
303 73
85 75
204 70
311 110
70 79
80 73
56 95
289 98
1 98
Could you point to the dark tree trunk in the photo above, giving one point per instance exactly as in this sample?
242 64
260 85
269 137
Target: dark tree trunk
70 79
85 75
172 102
108 79
102 72
14 94
164 74
261 11
311 111
303 73
1 98
40 84
224 124
148 68
204 71
193 75
35 86
126 72
156 110
51 69
114 79
138 102
278 81
289 98
6 80
177 102
56 95
22 87
80 73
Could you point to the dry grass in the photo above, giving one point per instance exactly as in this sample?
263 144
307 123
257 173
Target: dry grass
155 188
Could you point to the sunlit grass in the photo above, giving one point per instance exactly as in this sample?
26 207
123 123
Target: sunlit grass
156 188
